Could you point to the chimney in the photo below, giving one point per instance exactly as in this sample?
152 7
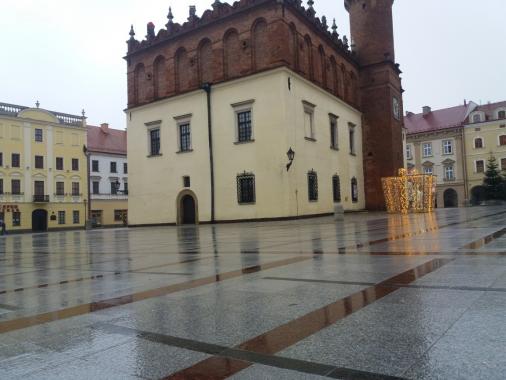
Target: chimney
409 113
104 127
426 110
465 102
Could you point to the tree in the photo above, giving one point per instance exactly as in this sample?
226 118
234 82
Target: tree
493 181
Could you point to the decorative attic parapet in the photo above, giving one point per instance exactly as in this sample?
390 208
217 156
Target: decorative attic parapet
63 118
221 11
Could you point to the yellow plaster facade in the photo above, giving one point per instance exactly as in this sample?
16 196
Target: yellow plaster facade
32 140
287 111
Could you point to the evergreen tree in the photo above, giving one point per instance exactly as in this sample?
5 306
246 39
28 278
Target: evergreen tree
493 181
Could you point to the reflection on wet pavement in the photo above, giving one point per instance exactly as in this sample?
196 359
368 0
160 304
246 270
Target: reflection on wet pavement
374 296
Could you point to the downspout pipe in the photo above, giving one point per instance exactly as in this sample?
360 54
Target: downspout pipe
207 88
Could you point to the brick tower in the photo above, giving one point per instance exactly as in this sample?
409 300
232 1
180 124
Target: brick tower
381 93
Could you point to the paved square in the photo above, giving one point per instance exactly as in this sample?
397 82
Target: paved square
376 296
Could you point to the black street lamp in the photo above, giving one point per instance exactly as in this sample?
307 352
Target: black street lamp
117 186
291 156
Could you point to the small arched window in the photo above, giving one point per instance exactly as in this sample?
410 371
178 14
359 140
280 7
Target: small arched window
478 143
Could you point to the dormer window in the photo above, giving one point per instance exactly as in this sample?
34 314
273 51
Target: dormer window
476 118
501 114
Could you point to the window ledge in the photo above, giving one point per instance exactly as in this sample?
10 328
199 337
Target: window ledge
154 155
310 139
246 203
184 151
313 200
244 142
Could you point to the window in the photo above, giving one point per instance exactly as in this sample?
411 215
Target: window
312 186
60 188
96 187
114 188
59 163
246 188
75 164
1 187
503 163
447 147
39 162
184 137
125 168
61 217
16 186
427 149
309 120
120 215
16 219
480 166
39 189
15 160
336 188
75 217
352 138
476 118
113 167
354 190
96 217
94 166
1 159
244 131
409 152
502 140
186 181
75 189
154 141
38 134
125 188
396 108
501 115
428 170
334 140
478 143
449 173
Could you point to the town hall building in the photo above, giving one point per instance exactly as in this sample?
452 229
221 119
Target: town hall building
259 110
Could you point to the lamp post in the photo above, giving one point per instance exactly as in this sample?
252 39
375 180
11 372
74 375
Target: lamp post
291 156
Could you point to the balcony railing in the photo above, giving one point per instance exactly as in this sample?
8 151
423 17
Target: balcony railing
41 198
10 109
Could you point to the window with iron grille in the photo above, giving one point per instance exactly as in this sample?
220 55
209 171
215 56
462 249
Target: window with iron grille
246 188
184 137
354 190
16 219
39 162
478 143
15 160
75 189
61 217
38 135
336 188
59 163
244 132
16 186
480 166
75 164
60 188
96 187
94 166
114 168
186 181
312 186
120 215
75 216
154 140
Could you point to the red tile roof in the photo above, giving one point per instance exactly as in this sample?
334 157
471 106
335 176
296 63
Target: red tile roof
490 109
107 140
438 119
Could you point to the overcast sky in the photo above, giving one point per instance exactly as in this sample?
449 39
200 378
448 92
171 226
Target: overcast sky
68 53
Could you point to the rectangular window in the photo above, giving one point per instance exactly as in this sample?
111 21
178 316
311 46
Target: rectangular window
1 159
114 188
501 114
447 147
96 217
16 219
334 144
336 189
59 163
60 188
308 123
354 190
125 188
244 131
39 162
94 166
352 138
96 187
120 215
449 173
75 217
480 166
427 149
38 134
186 181
125 168
75 164
75 189
409 152
1 186
184 137
503 163
428 170
312 186
246 188
114 168
154 139
61 217
502 140
15 160
39 189
16 186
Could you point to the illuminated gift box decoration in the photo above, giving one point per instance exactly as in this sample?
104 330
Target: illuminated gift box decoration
409 192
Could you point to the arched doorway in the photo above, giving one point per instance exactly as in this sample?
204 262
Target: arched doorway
39 221
187 208
478 195
451 198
